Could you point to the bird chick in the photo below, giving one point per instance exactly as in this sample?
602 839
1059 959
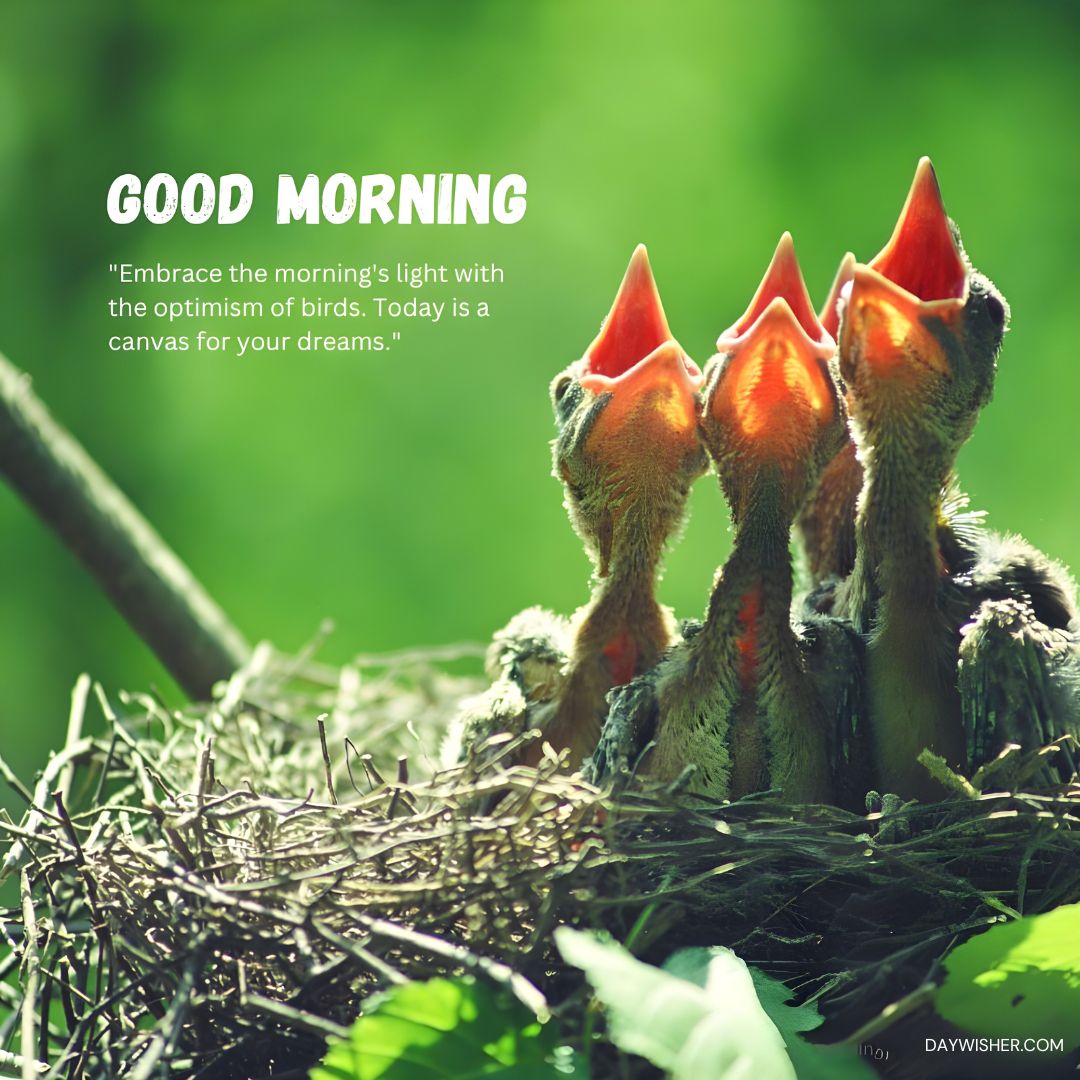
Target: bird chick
736 699
627 452
919 339
525 664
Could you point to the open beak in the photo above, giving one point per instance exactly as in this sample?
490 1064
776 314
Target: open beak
919 275
774 384
782 279
635 326
652 410
651 382
830 310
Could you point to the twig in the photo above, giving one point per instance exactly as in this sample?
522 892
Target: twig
9 1060
498 972
15 783
41 791
296 1017
143 577
326 759
79 694
30 982
888 1016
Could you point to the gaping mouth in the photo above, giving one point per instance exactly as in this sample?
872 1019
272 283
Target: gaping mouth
775 374
782 279
636 327
830 310
922 256
919 274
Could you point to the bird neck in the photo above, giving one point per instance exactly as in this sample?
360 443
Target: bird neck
623 625
753 590
898 558
827 521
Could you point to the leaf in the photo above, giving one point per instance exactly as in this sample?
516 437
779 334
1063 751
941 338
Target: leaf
707 1025
446 1029
811 1062
1020 979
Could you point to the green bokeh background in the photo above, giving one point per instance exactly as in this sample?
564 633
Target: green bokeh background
407 495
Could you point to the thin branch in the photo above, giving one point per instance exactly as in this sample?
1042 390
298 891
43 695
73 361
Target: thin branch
147 582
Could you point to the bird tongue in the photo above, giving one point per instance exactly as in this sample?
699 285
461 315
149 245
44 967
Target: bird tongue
922 256
636 324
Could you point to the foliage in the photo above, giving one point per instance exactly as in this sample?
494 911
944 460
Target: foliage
446 1028
703 1014
1018 980
811 1062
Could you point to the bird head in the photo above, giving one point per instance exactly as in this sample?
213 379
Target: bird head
771 416
919 337
627 449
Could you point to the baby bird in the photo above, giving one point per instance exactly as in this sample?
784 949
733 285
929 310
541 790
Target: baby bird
919 338
737 699
627 452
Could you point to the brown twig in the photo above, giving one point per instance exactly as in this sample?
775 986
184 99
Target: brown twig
326 759
142 576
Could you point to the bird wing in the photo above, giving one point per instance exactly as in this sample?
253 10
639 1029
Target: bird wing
1018 681
834 654
633 711
1008 567
526 663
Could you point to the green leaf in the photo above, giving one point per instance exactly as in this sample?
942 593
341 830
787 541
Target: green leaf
812 1062
695 1020
447 1029
1020 979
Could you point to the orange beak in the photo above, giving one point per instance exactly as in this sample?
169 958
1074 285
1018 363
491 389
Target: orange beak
636 324
920 274
651 418
775 386
782 279
830 311
652 382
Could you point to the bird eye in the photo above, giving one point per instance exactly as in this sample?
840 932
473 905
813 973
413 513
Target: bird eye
560 388
996 310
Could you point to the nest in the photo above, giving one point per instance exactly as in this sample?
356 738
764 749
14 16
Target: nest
213 892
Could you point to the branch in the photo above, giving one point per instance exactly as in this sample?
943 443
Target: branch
143 577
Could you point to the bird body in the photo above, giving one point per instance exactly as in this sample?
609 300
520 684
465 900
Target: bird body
919 338
737 700
627 451
526 666
921 631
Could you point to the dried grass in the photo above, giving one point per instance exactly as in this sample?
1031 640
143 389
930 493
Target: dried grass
212 892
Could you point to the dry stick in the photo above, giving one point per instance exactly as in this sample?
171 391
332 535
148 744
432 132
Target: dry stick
296 1017
495 970
79 695
30 983
146 581
326 759
37 813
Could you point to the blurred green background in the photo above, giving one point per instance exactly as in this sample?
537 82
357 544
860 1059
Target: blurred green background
408 495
